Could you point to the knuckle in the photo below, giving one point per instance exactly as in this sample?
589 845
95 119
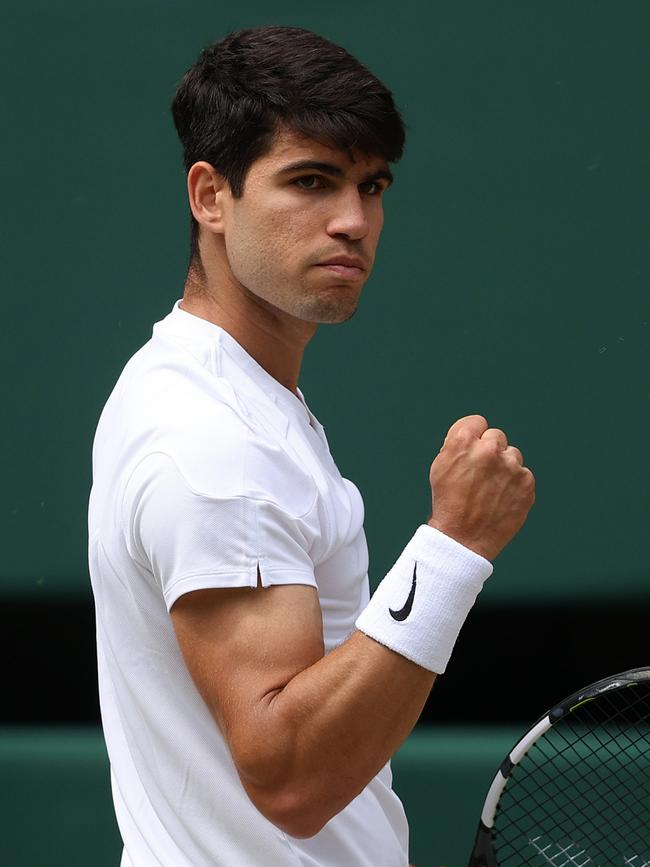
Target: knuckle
528 479
495 434
472 425
459 436
472 419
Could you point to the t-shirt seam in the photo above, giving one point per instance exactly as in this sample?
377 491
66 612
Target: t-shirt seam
284 570
253 545
203 496
171 590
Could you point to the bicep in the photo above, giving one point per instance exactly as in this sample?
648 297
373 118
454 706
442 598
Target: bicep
243 645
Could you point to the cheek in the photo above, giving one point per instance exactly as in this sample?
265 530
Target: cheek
279 231
265 252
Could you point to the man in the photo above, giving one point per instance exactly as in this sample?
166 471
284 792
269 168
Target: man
252 695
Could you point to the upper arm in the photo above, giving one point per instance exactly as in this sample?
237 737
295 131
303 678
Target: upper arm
242 646
238 579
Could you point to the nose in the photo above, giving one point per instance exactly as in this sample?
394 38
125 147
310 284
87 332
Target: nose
349 216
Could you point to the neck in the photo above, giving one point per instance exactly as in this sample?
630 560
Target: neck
273 338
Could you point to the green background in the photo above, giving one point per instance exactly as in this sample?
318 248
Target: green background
512 278
56 805
512 281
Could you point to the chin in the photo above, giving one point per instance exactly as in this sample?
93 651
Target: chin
343 316
334 305
329 313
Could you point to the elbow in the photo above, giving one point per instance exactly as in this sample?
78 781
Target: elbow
294 816
298 814
298 799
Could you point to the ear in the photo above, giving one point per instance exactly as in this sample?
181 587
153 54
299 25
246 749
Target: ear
206 189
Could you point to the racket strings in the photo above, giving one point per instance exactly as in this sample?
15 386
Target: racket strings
581 794
576 797
548 814
545 816
622 752
577 773
599 839
625 797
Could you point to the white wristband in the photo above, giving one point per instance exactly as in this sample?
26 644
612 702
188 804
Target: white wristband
421 605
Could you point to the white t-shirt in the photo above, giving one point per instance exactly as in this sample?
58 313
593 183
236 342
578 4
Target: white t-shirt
204 468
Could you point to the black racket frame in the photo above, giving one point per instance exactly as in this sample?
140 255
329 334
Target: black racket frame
483 853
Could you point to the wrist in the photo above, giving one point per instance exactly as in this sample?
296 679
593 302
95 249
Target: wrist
474 545
420 606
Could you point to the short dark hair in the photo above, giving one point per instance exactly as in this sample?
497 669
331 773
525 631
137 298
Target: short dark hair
242 89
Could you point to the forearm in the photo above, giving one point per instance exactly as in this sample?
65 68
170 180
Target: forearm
328 731
319 736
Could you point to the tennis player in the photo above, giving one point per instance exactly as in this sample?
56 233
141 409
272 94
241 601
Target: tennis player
252 694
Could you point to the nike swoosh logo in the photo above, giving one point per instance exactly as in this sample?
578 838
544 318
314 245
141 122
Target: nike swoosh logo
404 612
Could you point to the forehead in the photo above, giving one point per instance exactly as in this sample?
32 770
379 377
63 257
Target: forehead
290 147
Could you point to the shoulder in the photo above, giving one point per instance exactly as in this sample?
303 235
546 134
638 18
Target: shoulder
225 457
224 443
226 440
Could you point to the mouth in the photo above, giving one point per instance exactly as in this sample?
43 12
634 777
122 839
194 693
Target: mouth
344 266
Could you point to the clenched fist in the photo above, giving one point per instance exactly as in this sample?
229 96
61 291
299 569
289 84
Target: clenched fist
481 490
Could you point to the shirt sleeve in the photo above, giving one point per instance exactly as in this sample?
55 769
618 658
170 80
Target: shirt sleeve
192 541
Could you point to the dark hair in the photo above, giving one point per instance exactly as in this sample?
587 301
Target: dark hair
242 89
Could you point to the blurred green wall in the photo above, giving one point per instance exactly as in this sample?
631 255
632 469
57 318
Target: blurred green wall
512 278
511 281
56 806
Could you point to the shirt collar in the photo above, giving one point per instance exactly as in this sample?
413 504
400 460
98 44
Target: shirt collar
184 324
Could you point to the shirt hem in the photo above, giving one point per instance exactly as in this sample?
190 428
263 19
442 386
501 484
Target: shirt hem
210 581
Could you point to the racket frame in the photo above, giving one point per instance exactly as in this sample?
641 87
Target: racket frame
483 854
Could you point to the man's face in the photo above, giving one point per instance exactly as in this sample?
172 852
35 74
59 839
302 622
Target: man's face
302 237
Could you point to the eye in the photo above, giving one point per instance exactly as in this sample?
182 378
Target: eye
310 182
371 188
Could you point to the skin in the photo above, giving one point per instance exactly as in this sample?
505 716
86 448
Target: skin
307 732
263 282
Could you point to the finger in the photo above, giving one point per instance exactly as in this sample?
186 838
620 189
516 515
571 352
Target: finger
494 433
513 453
472 425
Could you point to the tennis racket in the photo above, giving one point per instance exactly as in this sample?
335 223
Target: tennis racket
575 789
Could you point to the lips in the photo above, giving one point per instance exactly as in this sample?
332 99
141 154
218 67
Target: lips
348 267
344 262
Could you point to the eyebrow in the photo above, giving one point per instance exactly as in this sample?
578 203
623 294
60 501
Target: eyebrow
335 171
